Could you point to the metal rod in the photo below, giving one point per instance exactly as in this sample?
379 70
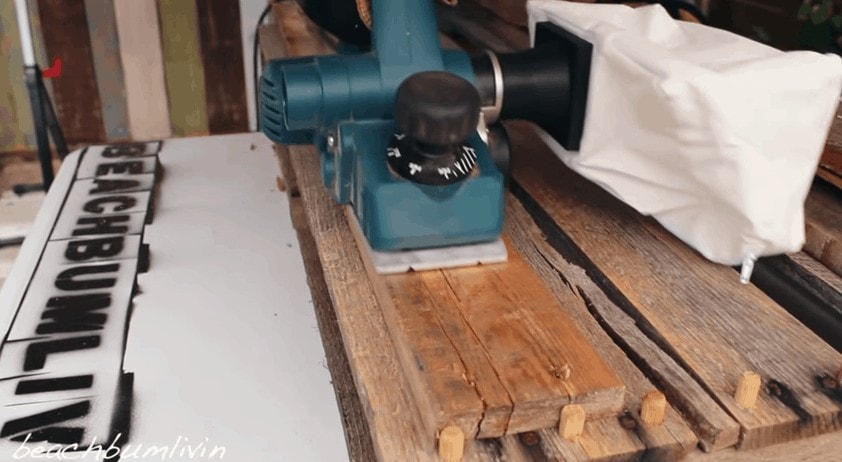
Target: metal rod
32 76
25 31
52 122
44 117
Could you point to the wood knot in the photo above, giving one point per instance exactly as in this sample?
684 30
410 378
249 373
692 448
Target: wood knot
529 438
627 421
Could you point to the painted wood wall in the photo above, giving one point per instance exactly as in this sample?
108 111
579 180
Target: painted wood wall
132 69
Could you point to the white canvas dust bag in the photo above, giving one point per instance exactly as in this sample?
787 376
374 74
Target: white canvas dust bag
715 135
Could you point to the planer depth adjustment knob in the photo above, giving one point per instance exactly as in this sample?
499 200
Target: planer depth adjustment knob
435 115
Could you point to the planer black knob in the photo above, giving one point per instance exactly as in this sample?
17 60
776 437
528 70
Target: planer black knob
435 115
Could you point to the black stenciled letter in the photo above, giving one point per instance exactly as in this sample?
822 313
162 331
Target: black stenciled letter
37 352
103 247
125 150
73 382
109 185
59 435
67 281
123 203
131 167
74 313
101 225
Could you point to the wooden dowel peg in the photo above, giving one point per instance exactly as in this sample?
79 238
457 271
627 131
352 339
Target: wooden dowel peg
451 443
572 421
653 408
748 389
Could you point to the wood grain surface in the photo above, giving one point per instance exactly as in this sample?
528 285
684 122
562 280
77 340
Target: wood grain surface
222 58
15 112
823 213
489 348
621 305
75 94
143 66
105 48
695 310
830 165
183 71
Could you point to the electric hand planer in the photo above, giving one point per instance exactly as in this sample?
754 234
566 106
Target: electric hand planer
714 135
409 133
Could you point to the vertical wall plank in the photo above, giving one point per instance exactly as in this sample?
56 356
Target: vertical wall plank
15 114
109 70
75 93
249 14
183 70
222 57
143 67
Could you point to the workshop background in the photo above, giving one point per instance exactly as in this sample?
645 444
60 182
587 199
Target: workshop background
150 69
132 69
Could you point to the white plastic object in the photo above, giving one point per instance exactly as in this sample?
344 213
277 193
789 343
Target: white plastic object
715 135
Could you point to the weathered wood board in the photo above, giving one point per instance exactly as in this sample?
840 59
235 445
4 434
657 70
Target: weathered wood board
400 434
109 71
830 165
491 350
695 310
807 289
606 438
16 128
624 339
488 32
222 57
823 212
183 69
138 31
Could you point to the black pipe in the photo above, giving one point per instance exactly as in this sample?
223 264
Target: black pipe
546 84
809 299
32 77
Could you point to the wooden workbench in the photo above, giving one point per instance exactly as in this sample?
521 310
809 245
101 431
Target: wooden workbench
660 316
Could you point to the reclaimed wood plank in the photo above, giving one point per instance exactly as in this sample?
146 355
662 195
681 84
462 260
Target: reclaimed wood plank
488 32
16 129
617 338
513 11
449 358
538 353
822 273
823 213
511 449
481 27
713 426
830 164
75 93
824 448
496 335
222 59
695 310
298 32
358 435
393 420
109 71
485 349
183 71
807 289
396 430
139 34
607 438
15 113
